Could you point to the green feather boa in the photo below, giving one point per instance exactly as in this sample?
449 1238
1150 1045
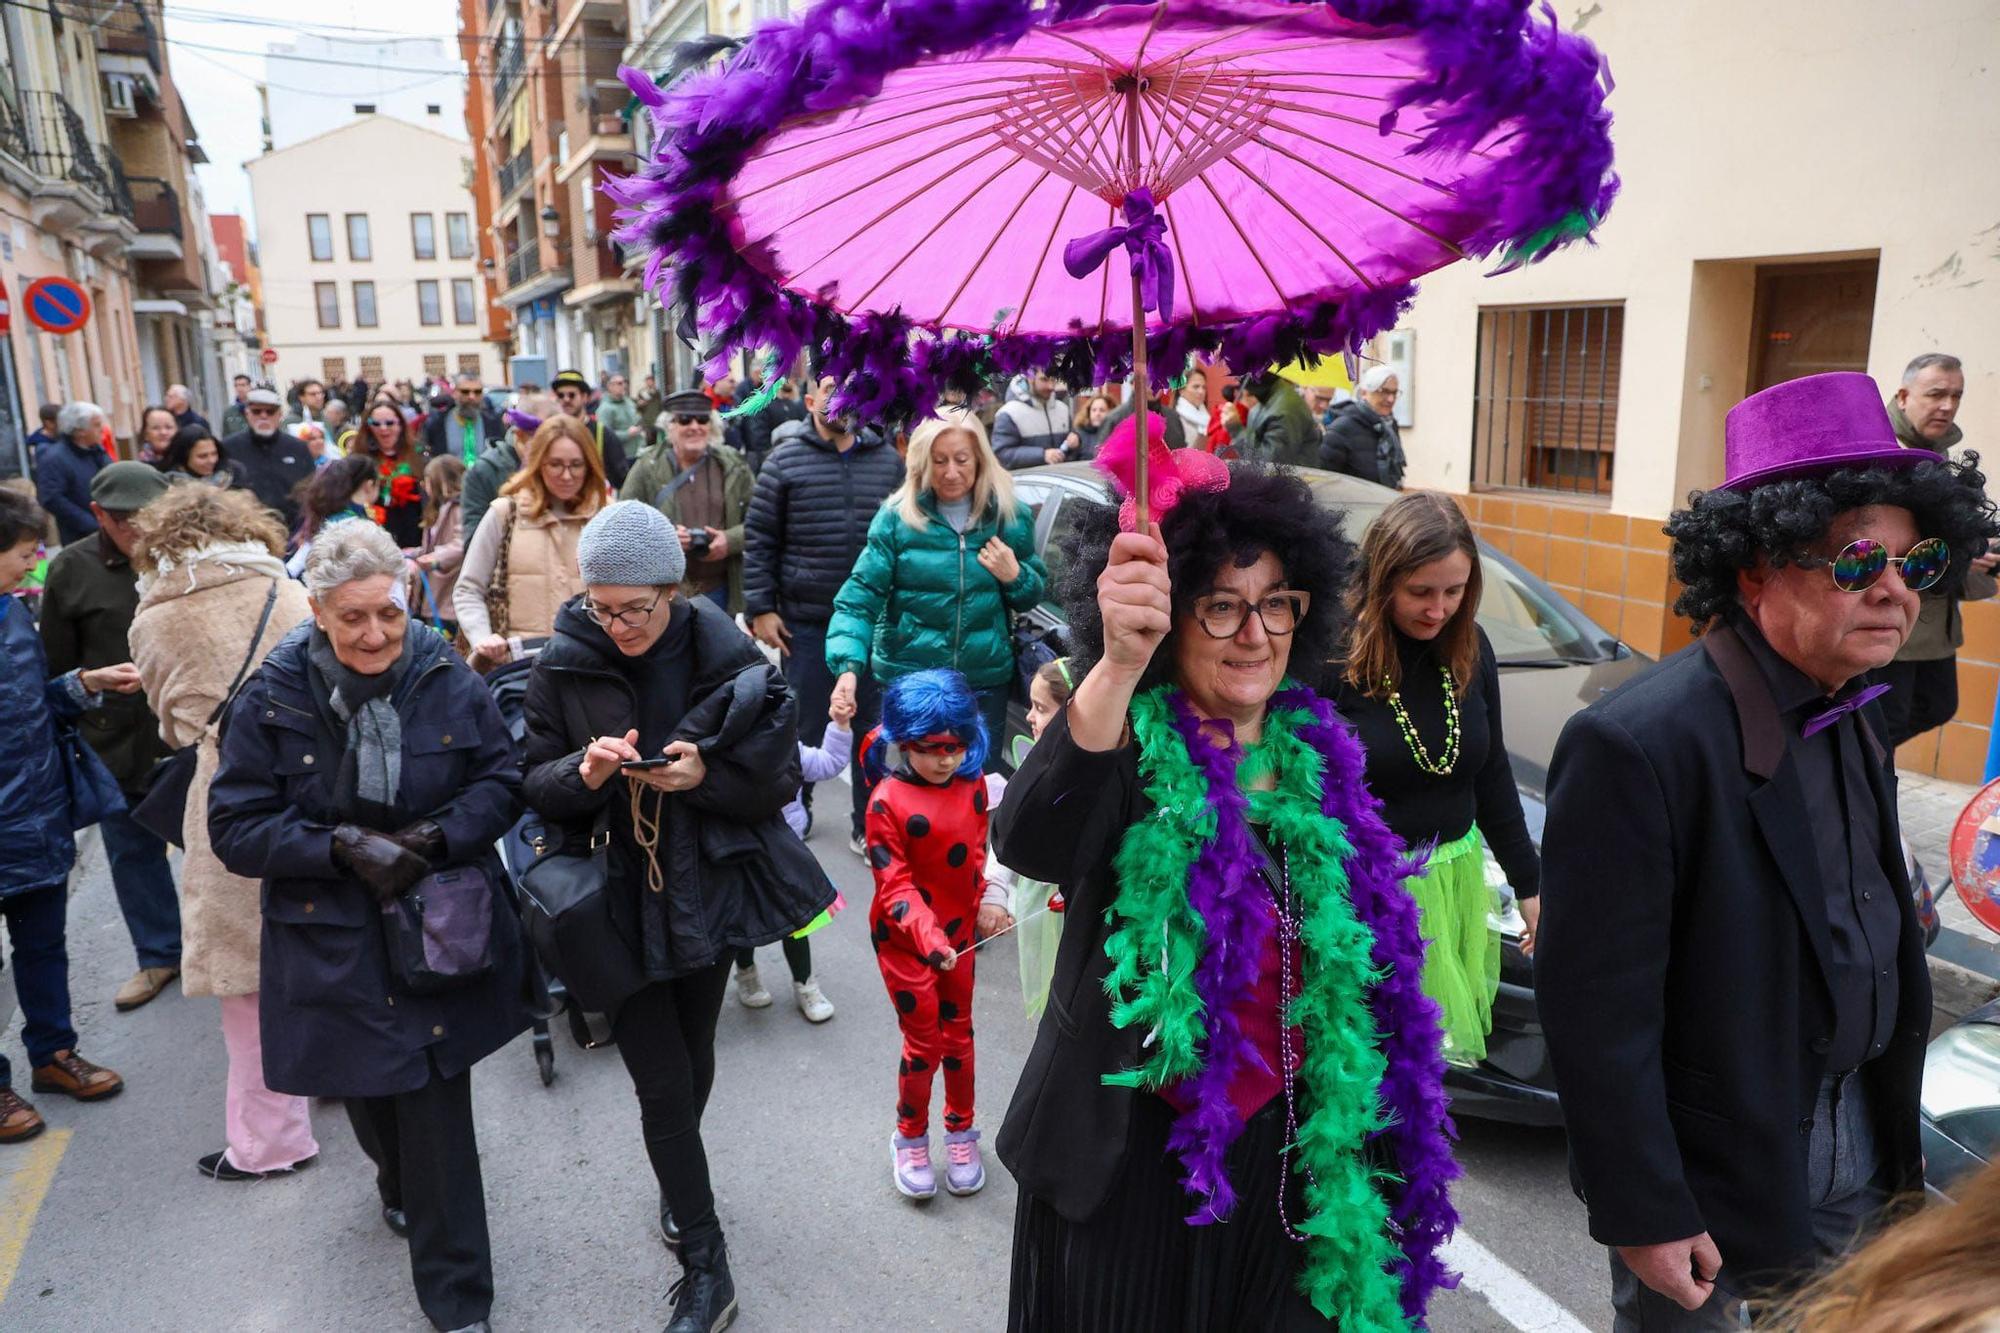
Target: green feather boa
1158 939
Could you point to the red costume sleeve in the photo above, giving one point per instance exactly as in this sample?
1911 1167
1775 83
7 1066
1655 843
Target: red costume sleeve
898 902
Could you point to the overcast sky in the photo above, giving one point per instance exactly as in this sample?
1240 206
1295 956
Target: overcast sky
219 86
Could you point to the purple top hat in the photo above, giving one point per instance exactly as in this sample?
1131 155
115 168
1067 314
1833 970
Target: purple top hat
1806 427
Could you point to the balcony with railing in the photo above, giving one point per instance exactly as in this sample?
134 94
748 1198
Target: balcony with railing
156 210
131 31
82 180
523 264
510 59
515 173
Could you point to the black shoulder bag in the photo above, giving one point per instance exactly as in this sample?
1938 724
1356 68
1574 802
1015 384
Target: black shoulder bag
163 810
566 913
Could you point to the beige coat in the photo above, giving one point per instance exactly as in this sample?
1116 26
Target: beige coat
541 570
189 638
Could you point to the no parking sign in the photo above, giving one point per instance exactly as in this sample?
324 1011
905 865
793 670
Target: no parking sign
56 305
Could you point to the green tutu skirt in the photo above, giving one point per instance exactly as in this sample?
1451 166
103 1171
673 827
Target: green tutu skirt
1462 951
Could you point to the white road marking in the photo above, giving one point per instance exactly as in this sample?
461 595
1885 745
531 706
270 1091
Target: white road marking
1514 1298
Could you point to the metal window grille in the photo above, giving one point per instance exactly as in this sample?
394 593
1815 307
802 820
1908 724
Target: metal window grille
434 366
1545 397
333 369
468 363
371 369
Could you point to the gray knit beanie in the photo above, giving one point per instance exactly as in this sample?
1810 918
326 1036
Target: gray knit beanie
631 544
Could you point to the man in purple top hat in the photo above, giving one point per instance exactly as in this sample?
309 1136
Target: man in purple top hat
1729 969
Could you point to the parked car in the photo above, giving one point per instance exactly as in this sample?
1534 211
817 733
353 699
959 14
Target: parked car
1554 661
1961 1100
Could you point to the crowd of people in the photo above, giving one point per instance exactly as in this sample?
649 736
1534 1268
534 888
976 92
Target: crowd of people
1248 988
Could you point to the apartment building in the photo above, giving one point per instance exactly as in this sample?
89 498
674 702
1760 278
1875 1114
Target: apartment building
381 285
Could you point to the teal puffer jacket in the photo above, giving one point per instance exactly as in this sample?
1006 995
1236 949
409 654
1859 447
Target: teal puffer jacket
920 598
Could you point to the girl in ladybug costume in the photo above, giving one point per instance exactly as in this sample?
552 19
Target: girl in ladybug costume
926 837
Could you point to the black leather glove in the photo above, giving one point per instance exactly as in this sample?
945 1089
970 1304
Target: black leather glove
383 865
424 838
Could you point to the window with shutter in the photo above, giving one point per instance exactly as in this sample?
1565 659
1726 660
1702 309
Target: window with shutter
1545 397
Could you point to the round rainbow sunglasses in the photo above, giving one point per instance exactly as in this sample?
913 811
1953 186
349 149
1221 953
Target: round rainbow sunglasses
1862 561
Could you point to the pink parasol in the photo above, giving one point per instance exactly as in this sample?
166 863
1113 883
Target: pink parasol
927 191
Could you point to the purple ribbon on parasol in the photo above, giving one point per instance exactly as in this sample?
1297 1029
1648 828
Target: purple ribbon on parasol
1144 237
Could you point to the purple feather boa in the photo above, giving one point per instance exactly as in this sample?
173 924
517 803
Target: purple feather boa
1225 890
1417 1126
1493 67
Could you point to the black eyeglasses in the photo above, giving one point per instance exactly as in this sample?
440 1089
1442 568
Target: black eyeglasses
1222 615
1861 563
380 424
689 419
636 617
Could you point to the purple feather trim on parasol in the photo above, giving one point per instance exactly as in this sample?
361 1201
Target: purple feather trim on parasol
1492 67
1412 1086
1228 895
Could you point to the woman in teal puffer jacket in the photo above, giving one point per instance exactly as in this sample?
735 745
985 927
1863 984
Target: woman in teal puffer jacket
949 555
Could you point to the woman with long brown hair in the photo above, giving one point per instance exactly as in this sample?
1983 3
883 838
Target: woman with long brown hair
386 437
520 566
1421 688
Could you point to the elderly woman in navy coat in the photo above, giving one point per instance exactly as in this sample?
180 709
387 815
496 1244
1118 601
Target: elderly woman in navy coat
362 757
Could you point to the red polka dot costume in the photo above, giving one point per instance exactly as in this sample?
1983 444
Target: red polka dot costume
927 847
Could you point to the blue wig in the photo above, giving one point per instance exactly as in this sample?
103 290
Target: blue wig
930 703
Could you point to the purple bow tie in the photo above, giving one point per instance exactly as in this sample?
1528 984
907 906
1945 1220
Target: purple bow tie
1832 713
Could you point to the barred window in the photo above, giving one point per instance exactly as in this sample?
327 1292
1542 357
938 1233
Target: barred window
371 369
468 363
1545 397
434 366
333 369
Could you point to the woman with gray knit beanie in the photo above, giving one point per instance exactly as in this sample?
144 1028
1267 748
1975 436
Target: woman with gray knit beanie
636 673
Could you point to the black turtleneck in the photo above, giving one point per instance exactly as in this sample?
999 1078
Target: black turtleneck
1425 808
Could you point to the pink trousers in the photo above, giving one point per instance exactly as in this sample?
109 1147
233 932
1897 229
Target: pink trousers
266 1130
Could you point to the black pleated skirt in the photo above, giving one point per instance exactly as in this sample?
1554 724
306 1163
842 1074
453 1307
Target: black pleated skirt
1137 1265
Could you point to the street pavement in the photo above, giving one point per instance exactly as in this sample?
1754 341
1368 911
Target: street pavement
104 1223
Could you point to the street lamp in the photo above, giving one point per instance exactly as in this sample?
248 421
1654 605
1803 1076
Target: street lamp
551 221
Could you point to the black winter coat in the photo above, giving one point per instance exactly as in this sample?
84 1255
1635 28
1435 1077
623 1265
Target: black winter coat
809 519
760 430
736 875
1681 969
335 1024
1362 444
270 470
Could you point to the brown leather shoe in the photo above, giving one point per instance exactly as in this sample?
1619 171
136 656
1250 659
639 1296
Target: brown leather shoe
18 1120
73 1076
144 987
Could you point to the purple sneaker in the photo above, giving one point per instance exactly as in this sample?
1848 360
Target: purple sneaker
912 1161
964 1173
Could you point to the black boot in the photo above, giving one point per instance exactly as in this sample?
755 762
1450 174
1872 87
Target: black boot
670 1232
705 1296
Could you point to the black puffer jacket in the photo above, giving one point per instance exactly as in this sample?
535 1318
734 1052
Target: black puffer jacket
1363 444
760 429
809 519
736 875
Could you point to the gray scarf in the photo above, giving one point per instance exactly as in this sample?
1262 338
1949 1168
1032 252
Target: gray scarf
370 776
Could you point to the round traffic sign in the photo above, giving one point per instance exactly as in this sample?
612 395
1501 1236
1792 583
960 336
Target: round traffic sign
1975 856
269 356
56 305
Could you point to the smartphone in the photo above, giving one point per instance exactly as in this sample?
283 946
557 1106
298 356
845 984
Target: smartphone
660 762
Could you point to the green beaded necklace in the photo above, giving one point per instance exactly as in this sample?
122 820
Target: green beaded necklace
1442 766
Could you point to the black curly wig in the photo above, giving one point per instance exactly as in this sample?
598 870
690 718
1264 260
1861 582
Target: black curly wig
1722 532
1263 510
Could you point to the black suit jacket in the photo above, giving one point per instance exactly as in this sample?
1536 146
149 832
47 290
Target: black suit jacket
1681 971
440 439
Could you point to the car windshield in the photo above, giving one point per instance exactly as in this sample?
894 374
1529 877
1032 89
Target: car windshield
1527 621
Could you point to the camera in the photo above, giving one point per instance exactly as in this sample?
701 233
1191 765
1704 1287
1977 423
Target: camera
698 543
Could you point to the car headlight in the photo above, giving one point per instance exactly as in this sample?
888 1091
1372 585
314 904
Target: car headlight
1962 1071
